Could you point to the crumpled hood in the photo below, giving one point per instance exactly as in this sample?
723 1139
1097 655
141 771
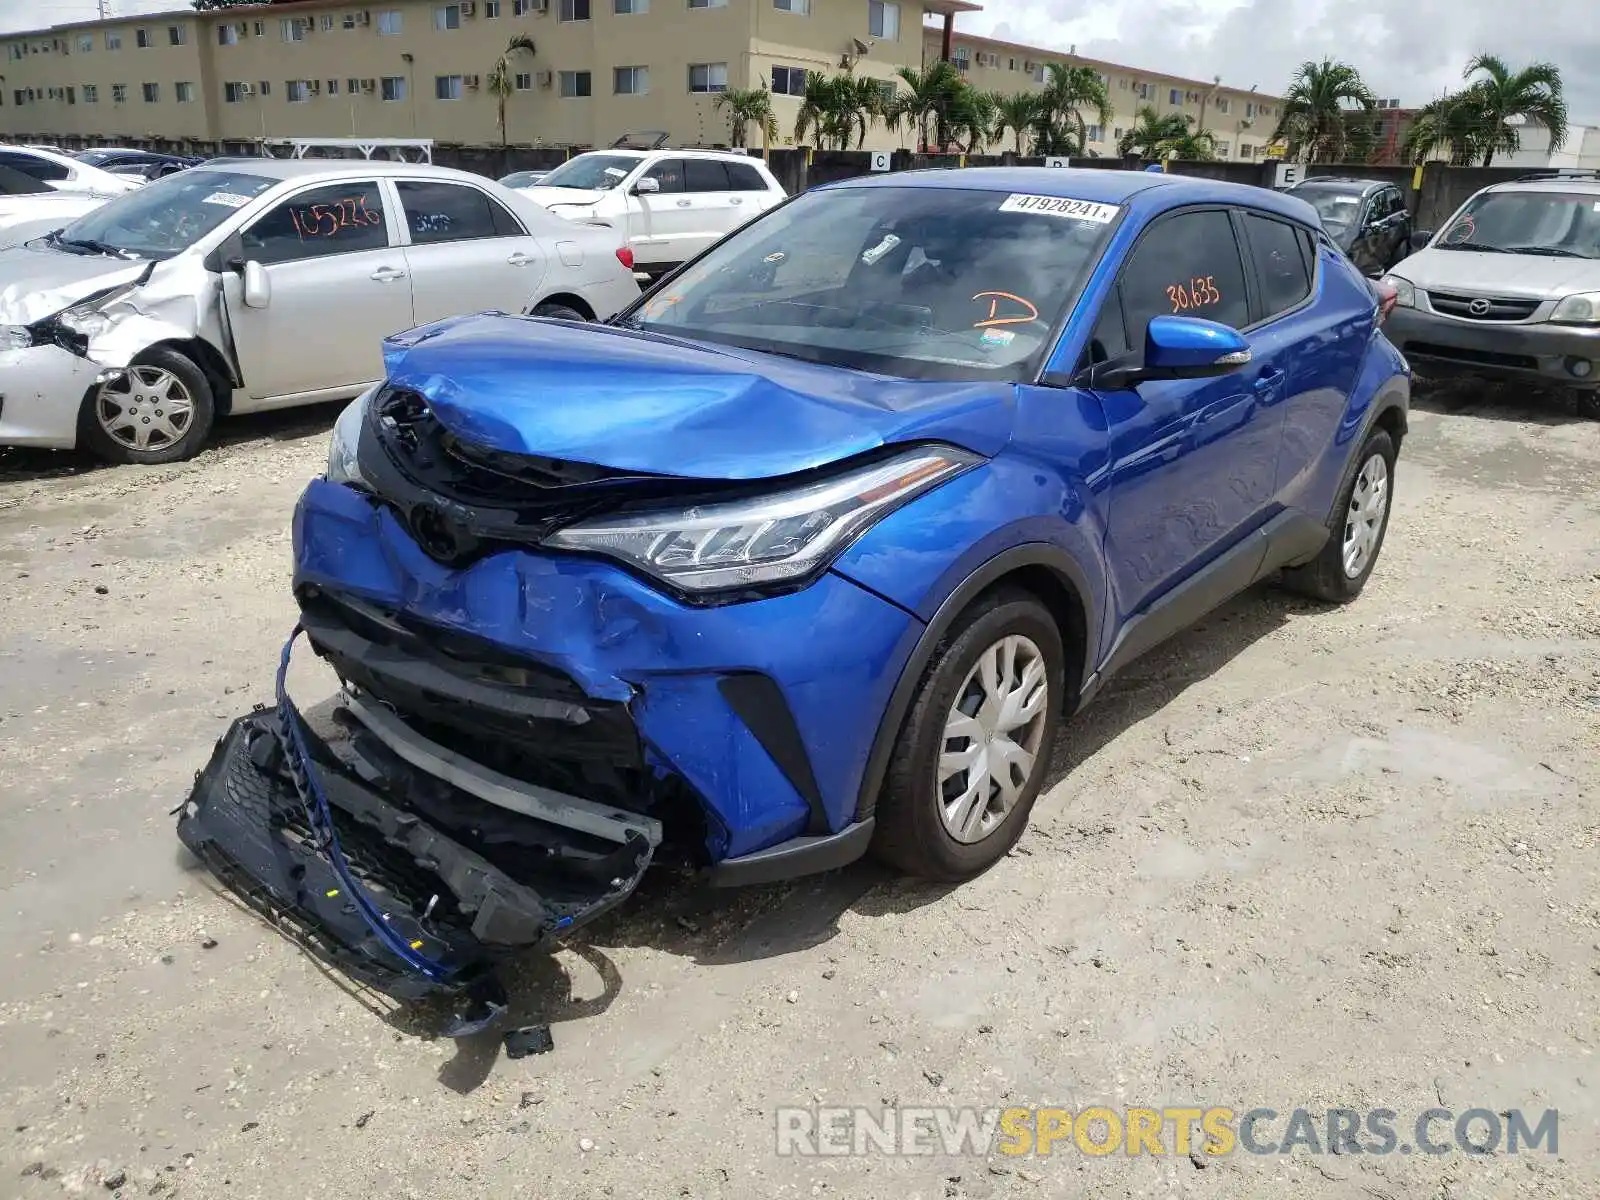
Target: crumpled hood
637 403
562 195
1529 276
36 282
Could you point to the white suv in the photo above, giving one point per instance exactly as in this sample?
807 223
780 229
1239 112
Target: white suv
668 205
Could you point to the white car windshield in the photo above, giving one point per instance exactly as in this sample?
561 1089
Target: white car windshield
166 217
591 172
1553 224
921 282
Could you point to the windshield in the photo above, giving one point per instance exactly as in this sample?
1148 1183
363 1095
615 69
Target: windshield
591 172
167 217
929 283
1335 208
98 158
521 179
1554 224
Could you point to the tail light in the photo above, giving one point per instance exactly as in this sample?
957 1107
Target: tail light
625 257
1387 294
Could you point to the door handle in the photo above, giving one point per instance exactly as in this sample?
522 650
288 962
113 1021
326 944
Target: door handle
519 259
683 204
1267 384
388 274
736 200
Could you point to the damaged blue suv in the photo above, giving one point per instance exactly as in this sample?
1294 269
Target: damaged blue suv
803 556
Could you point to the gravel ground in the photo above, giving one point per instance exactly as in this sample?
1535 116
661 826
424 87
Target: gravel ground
1298 858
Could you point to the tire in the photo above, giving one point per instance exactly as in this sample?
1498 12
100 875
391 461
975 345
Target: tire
1338 573
558 312
913 832
155 383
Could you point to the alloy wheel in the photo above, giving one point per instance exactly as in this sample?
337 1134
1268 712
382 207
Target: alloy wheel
992 738
147 408
1363 523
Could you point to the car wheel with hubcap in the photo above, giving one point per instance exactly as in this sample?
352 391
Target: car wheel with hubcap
972 754
159 410
1355 530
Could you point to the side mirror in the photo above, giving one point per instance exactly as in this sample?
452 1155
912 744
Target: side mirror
1420 238
1180 348
647 187
257 285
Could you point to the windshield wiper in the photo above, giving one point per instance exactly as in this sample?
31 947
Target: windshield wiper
1480 249
87 244
1548 251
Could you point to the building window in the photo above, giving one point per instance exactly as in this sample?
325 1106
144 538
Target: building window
119 93
233 93
1222 149
574 10
801 8
264 87
290 29
297 91
1174 96
333 87
522 8
72 95
325 22
389 24
183 92
1093 133
447 17
1038 72
523 81
151 92
352 86
627 8
576 84
1249 110
141 39
883 20
86 44
227 35
447 87
708 3
394 87
491 9
91 94
961 57
177 35
708 77
1223 104
788 81
631 81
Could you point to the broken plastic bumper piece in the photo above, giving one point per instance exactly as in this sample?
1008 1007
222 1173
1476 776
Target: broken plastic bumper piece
409 868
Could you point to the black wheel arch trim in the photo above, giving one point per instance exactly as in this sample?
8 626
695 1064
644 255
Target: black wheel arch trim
1029 555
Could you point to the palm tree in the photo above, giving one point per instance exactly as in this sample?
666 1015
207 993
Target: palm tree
1192 146
973 118
1016 113
934 93
1451 124
501 80
1067 91
1151 133
1313 120
1533 94
748 106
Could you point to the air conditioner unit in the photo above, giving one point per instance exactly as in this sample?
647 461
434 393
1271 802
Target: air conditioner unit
545 78
471 81
469 9
247 90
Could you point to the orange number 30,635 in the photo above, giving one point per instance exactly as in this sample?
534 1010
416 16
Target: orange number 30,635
1197 293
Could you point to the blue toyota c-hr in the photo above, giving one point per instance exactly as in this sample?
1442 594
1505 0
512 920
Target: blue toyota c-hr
807 553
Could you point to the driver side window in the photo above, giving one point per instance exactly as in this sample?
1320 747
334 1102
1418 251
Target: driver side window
334 219
1185 265
668 173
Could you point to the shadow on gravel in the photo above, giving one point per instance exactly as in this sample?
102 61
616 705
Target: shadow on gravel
23 465
1522 403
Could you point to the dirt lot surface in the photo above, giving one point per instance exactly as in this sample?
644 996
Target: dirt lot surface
1298 858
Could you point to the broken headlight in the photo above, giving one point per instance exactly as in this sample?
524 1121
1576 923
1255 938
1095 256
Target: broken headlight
15 337
344 447
93 317
769 540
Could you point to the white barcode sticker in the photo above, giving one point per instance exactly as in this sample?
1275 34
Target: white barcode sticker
227 199
1061 206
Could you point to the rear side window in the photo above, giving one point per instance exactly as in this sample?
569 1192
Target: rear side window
704 175
336 219
1282 259
1185 265
744 178
41 169
451 212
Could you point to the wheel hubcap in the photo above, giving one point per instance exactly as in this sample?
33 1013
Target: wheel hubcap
992 738
149 408
1363 524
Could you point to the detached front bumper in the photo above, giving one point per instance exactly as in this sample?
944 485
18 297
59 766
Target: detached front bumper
41 392
1439 345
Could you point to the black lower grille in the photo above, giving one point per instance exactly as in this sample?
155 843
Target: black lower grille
1482 358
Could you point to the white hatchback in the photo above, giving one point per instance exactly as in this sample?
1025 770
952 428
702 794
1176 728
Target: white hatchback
667 205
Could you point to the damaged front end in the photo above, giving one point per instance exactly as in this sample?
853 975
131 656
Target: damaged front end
408 867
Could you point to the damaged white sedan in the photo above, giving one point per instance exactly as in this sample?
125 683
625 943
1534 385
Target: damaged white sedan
250 285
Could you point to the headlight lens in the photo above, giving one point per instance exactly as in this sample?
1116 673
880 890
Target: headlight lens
94 317
774 539
1582 309
1405 292
344 446
15 337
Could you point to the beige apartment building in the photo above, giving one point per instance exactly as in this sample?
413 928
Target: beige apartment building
216 81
